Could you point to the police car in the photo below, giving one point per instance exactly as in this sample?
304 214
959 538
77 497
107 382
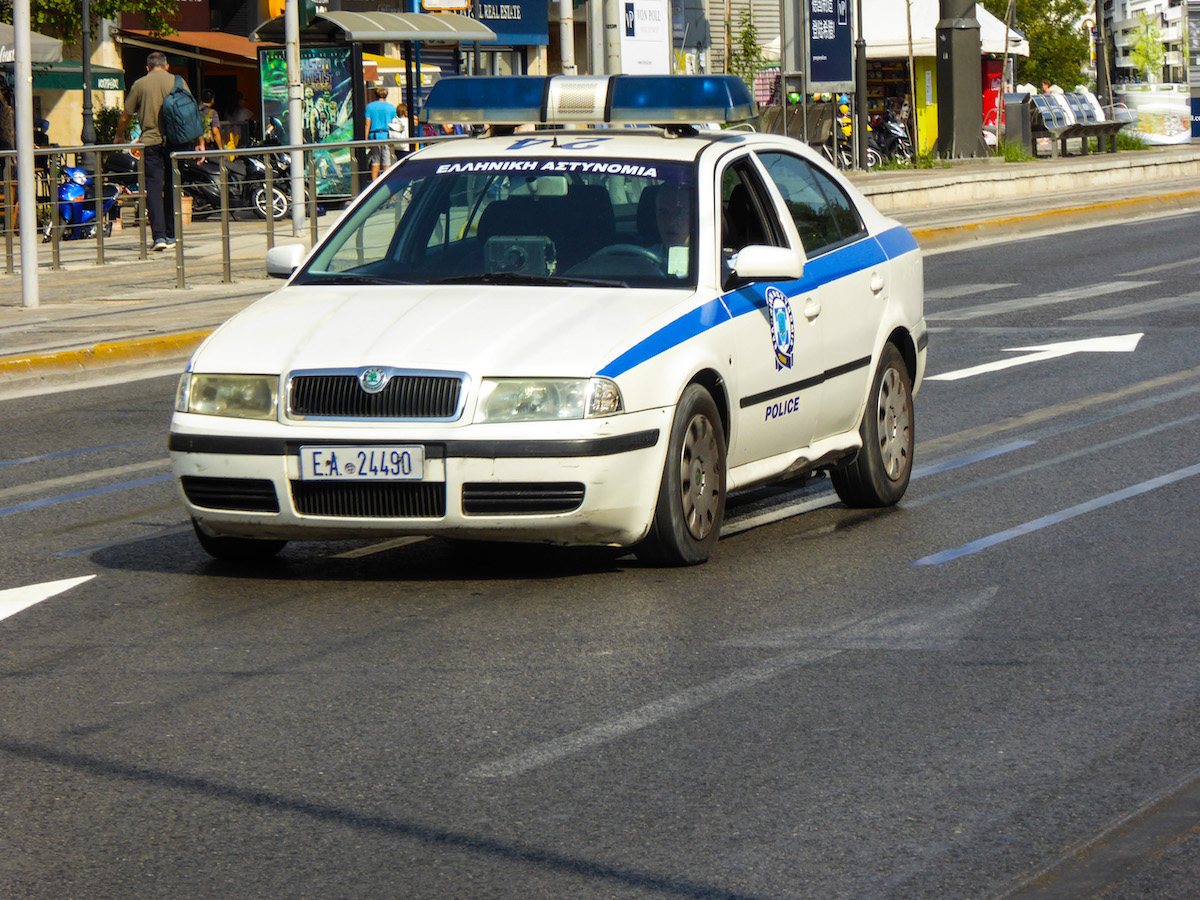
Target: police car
575 335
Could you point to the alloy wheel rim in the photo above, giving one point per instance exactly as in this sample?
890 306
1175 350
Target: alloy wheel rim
700 477
895 425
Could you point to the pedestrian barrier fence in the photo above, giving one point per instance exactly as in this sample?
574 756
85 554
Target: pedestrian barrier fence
219 182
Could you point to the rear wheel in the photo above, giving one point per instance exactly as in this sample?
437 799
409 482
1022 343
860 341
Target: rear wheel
879 475
691 497
236 549
277 205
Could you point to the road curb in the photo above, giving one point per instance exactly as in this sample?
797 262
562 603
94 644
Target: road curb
157 348
937 237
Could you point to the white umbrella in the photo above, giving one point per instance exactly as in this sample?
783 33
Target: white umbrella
44 49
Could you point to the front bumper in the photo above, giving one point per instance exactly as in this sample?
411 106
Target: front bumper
593 482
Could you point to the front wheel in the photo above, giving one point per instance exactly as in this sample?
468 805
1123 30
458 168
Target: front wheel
879 475
691 497
278 203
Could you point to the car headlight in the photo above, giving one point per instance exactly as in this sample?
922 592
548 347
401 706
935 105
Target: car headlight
242 396
546 399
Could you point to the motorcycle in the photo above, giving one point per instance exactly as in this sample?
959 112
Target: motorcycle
201 180
891 137
76 207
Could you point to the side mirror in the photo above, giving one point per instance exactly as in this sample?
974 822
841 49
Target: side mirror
758 262
282 261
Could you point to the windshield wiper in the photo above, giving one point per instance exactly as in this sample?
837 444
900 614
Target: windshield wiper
519 278
349 278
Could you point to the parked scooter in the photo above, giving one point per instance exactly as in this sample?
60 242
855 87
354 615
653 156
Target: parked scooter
201 180
76 207
891 137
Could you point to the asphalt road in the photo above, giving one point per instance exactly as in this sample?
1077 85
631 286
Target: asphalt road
989 691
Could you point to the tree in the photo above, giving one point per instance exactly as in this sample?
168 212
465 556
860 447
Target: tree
745 51
1058 44
1148 53
64 18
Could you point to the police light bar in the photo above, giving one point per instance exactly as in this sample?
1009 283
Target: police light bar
589 100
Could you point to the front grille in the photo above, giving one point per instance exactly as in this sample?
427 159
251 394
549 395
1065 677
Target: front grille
371 499
244 494
403 397
520 498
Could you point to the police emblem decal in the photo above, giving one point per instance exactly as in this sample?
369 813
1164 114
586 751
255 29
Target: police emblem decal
783 332
373 380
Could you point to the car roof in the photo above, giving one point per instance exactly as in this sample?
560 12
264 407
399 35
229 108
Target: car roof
598 143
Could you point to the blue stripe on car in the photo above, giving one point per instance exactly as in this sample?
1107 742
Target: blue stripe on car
817 271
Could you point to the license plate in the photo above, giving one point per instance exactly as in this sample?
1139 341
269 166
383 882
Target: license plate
400 463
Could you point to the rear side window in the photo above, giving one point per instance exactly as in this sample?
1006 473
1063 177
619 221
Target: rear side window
824 215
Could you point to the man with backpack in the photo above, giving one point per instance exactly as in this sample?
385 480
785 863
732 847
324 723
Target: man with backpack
161 135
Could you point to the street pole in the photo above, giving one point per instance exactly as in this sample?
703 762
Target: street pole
88 134
27 214
291 37
860 89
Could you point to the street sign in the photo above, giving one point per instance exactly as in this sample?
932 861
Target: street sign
829 46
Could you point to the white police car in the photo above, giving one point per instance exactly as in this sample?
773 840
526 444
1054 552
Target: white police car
575 336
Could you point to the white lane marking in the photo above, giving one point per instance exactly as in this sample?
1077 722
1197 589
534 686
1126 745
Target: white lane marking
52 484
650 714
924 628
957 291
1163 267
1121 343
1129 310
910 628
1000 537
14 600
999 307
778 514
381 547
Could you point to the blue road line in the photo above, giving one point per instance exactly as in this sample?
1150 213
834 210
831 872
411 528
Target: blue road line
63 454
79 495
165 531
1000 537
978 456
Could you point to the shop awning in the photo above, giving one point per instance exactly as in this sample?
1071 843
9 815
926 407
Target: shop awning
336 27
392 71
43 48
68 76
209 46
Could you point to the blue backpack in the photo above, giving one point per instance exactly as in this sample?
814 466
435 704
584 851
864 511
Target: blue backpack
181 120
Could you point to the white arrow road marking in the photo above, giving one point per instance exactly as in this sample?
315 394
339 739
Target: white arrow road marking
1122 343
14 600
922 628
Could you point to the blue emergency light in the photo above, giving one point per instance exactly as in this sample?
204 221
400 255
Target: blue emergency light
589 100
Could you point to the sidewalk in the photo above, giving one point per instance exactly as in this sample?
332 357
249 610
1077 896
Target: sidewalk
129 311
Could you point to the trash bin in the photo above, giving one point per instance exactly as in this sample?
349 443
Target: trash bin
1017 127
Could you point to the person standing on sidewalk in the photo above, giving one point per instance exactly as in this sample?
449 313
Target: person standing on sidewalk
144 100
379 115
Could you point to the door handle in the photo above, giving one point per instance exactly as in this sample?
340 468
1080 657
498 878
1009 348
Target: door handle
812 309
876 282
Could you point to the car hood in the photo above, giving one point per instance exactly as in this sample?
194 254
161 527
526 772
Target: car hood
479 329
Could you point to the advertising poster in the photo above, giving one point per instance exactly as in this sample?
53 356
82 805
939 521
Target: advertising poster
646 37
327 74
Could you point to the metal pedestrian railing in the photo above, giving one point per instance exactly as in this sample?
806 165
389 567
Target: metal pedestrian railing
229 186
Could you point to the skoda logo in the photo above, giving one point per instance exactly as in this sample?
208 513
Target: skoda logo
373 380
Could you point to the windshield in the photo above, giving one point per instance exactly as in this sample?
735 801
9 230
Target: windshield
532 220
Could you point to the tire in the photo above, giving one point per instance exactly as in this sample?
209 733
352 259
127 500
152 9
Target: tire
280 202
691 497
236 549
874 158
878 475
